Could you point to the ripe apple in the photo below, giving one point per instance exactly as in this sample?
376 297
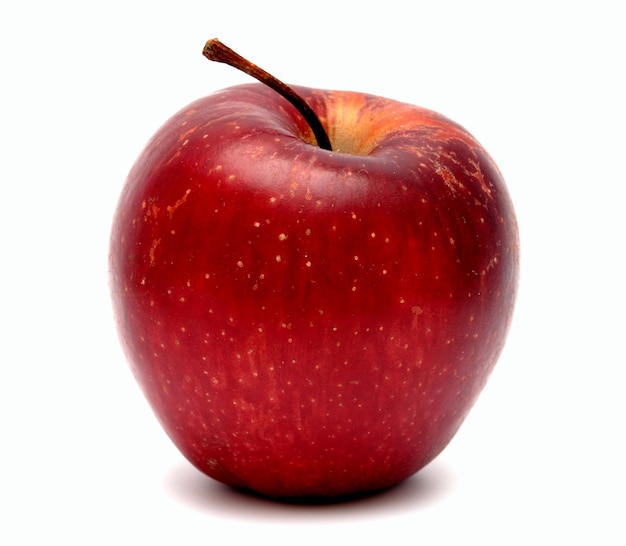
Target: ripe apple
308 322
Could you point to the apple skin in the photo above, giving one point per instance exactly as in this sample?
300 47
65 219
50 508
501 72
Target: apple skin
307 323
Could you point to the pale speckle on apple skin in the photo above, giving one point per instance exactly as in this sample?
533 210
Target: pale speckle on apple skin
172 208
152 251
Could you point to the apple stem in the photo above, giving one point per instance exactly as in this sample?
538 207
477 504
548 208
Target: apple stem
214 50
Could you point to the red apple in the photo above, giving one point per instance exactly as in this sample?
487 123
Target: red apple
307 322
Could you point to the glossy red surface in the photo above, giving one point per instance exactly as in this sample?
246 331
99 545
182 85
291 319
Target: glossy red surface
305 322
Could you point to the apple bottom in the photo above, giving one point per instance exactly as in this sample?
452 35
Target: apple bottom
344 461
287 468
325 428
337 473
334 472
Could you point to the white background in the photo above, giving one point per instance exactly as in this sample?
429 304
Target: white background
539 461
